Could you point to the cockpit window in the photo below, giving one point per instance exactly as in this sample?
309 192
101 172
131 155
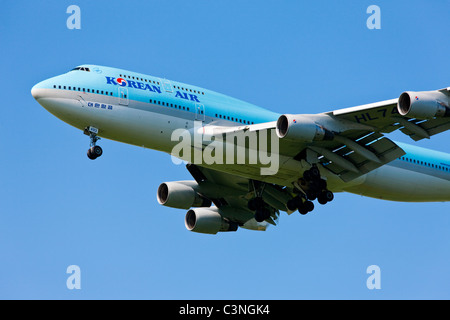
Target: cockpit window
81 69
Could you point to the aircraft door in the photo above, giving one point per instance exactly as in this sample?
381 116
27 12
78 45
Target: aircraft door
82 102
166 85
123 96
199 112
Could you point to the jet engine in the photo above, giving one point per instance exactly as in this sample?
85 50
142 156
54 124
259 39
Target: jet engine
424 105
300 127
207 220
181 195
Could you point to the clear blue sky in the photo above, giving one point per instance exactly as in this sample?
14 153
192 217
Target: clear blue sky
58 208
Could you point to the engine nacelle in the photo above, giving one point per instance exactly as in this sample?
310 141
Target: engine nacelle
424 105
209 221
181 195
299 127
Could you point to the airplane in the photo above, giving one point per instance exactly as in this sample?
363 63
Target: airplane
316 155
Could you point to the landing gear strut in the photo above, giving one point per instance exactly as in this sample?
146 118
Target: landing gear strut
94 151
257 204
315 188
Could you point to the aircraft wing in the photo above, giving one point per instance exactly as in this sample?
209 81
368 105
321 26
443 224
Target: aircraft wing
349 150
426 120
351 142
385 118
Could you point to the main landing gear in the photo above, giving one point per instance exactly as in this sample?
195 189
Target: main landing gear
312 187
94 151
257 204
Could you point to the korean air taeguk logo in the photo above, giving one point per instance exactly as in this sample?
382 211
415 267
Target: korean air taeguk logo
121 82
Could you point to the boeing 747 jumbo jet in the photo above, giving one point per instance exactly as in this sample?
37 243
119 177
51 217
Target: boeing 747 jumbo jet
252 163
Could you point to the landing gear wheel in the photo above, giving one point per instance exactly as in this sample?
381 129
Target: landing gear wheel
94 152
329 196
91 155
325 197
262 214
303 210
311 195
97 151
304 207
309 206
321 184
312 174
258 205
292 204
315 173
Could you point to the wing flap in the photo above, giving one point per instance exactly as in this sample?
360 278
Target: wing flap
349 161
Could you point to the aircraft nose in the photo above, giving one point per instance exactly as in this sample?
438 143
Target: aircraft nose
36 91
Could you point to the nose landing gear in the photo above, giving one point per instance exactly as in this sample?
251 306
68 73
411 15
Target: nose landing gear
94 151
